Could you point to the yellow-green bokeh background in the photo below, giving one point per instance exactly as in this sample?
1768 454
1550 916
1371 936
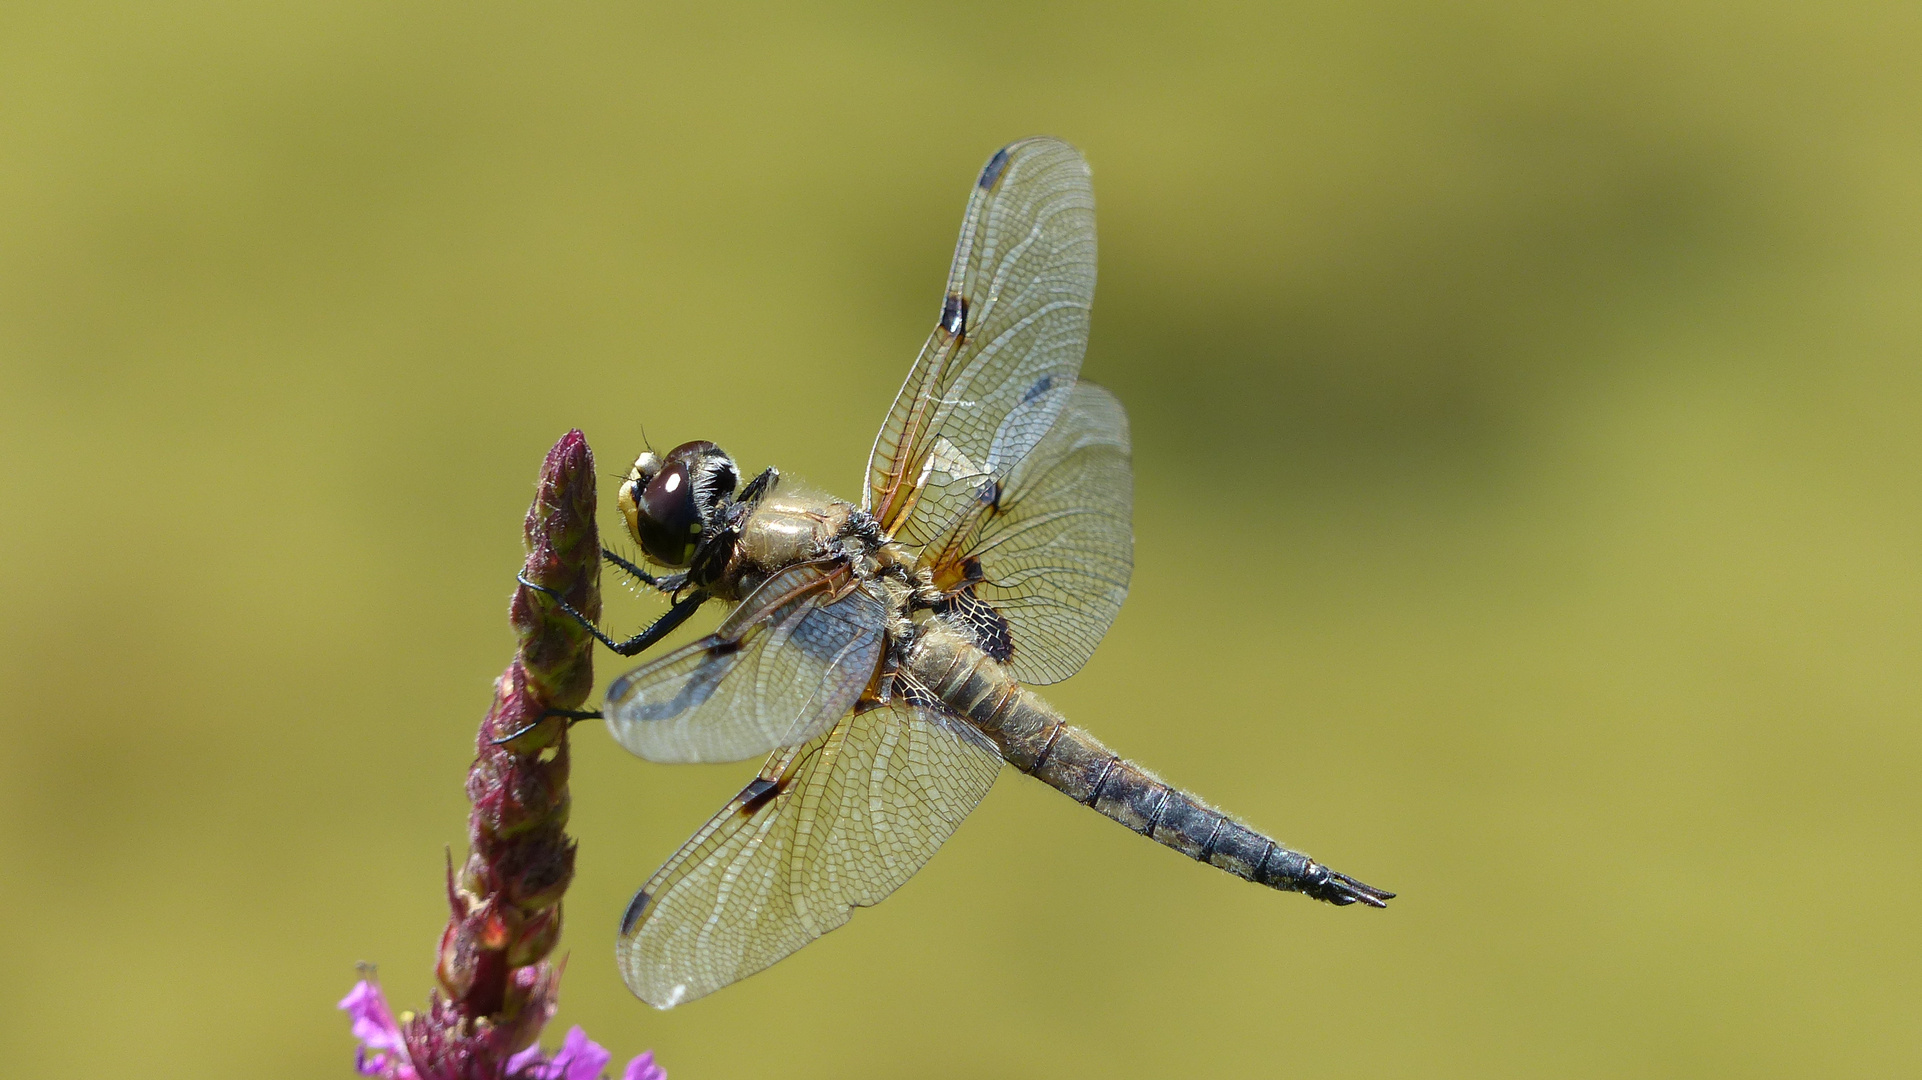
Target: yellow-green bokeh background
1525 404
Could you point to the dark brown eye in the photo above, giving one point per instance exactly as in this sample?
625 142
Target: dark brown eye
669 521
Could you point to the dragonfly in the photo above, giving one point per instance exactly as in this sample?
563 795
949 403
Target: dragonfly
881 655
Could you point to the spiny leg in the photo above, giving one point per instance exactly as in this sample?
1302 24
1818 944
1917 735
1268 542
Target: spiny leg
659 629
759 486
670 584
574 716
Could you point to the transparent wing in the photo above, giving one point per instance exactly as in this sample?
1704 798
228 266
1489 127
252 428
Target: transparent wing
1001 362
825 828
777 672
1037 575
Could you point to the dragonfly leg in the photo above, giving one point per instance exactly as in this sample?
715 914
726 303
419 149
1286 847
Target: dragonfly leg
759 486
670 584
657 630
574 716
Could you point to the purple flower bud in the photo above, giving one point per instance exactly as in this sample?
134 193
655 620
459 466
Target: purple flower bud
497 988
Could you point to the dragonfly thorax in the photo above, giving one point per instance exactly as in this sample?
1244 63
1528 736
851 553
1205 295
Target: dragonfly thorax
792 527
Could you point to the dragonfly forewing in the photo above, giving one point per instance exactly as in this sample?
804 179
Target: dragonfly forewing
1007 349
780 670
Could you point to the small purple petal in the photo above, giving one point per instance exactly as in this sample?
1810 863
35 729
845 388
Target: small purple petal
643 1068
580 1058
373 1024
357 998
384 1064
524 1061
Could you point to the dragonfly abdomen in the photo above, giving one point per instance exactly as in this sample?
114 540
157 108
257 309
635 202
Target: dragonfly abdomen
1034 738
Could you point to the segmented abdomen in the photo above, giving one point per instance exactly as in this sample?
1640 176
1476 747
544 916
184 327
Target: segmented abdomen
1036 740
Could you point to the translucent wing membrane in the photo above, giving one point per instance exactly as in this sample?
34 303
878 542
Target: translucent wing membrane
1011 484
1005 355
1036 575
779 671
825 828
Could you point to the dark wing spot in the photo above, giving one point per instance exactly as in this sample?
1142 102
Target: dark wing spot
988 494
725 647
633 913
975 617
918 696
954 315
995 166
971 569
1041 386
756 794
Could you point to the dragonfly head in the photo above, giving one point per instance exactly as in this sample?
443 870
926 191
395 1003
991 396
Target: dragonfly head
669 502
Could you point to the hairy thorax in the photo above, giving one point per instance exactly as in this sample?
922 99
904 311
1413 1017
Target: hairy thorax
796 527
784 529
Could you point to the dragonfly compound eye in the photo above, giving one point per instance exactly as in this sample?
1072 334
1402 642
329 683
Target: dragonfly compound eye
667 521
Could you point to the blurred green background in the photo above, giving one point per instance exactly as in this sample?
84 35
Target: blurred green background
1525 406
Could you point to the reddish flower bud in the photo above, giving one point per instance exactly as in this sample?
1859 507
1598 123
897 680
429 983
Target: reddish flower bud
497 989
